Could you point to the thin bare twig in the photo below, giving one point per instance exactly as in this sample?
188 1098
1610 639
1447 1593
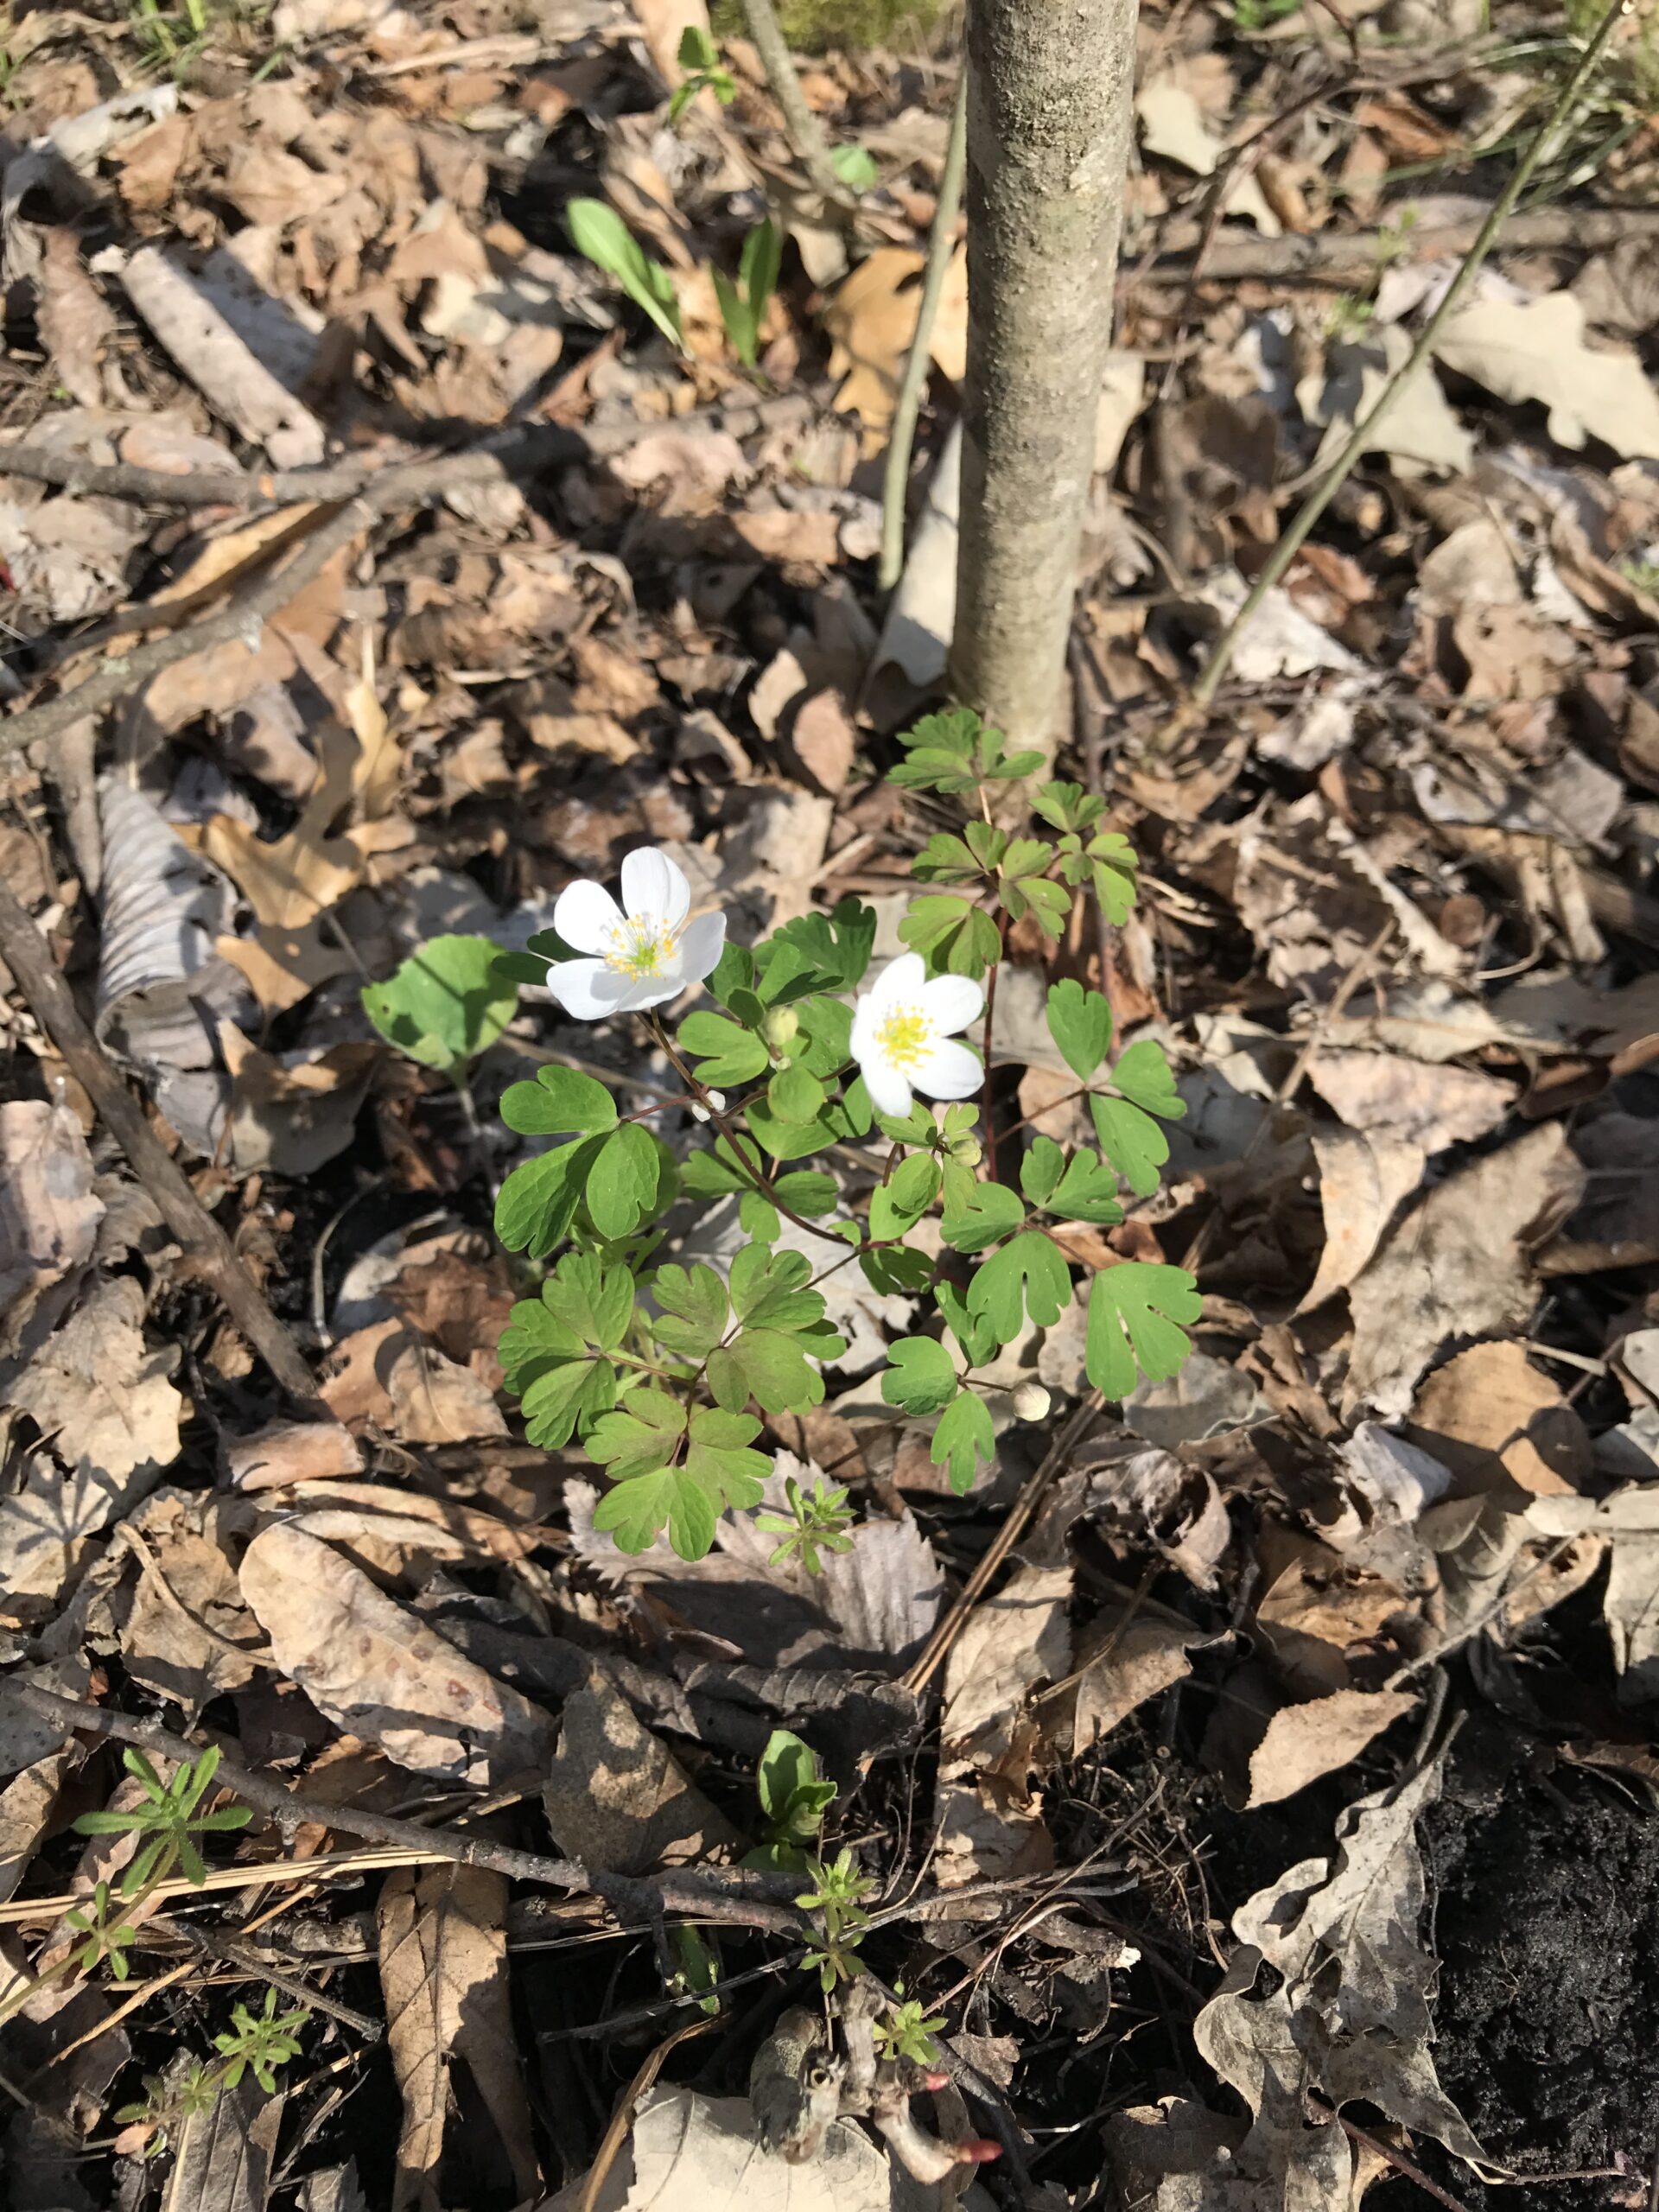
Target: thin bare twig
895 482
805 131
1363 434
27 955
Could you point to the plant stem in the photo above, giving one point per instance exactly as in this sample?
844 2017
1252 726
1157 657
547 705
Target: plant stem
805 131
1363 434
896 481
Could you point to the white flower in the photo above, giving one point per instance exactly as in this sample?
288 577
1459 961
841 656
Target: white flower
645 951
902 1036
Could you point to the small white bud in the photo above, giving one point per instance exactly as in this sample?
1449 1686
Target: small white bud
1031 1402
716 1100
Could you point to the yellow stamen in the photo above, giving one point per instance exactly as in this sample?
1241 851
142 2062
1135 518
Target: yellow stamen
642 946
905 1038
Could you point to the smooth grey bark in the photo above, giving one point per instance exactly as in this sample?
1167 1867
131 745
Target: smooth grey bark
1048 138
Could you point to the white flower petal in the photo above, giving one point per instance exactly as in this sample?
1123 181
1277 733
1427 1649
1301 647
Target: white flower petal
700 947
948 1070
861 1038
653 887
950 1003
889 1092
586 917
903 978
644 991
590 989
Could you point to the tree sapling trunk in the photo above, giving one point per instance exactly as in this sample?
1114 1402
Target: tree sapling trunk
1048 137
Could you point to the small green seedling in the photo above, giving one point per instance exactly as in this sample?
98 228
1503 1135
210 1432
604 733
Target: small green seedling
697 1968
445 1005
855 167
908 2032
819 1523
743 305
169 1822
794 1796
704 72
108 1932
836 1898
599 231
260 2041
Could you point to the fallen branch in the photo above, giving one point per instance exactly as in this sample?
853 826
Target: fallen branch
1323 257
1363 434
711 1893
26 953
895 482
805 131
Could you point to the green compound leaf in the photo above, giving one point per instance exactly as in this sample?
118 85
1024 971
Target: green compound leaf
623 1181
1027 1275
592 1301
1080 1022
1139 1314
539 1201
694 1308
808 1192
638 1441
448 1003
954 936
773 1367
720 1457
1087 1191
1131 1141
758 1217
729 1053
1143 1074
919 1375
898 1204
896 1271
558 1103
637 1510
795 1094
976 1214
1114 864
770 1288
826 1036
1041 1169
533 1342
789 1140
973 1332
562 1396
963 1437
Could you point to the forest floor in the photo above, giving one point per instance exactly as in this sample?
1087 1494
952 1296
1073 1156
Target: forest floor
1278 1819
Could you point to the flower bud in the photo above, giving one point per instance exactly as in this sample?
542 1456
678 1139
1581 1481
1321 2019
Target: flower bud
966 1152
779 1026
716 1100
1031 1402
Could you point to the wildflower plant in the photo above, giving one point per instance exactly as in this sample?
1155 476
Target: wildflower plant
853 1106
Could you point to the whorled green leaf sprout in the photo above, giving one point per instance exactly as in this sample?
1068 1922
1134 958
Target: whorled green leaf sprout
815 1078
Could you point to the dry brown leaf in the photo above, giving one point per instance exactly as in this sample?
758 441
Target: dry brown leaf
1011 1643
1427 1105
1458 1264
698 2154
71 317
392 1378
617 1798
1126 1655
872 320
443 1974
292 1452
1534 348
290 1115
824 742
1304 1741
49 1214
27 1804
1362 1181
379 1673
1491 1413
163 1644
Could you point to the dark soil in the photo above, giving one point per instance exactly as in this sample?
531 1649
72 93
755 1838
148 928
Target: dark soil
1547 1885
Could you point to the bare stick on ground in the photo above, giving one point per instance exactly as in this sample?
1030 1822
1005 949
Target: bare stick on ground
1048 137
805 131
896 481
27 954
1221 653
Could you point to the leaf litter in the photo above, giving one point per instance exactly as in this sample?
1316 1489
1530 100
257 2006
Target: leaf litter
1164 1820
